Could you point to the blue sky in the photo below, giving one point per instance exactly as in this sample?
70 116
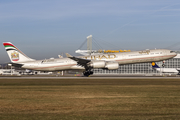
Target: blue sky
46 28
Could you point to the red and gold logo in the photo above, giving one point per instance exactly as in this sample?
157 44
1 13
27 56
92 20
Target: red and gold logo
15 56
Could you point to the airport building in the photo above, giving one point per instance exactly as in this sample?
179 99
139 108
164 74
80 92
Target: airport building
142 68
8 72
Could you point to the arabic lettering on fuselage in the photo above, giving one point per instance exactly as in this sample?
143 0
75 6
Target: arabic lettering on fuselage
99 57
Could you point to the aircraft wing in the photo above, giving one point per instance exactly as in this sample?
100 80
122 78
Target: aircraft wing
80 61
178 69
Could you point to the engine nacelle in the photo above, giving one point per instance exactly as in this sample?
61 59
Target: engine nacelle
112 65
98 64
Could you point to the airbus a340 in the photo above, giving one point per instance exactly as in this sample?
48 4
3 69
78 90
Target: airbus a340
110 61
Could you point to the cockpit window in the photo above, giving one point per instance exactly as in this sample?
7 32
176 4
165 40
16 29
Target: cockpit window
172 51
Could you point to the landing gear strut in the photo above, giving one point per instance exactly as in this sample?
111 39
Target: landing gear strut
87 73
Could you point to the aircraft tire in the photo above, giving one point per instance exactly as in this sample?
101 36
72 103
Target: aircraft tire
87 73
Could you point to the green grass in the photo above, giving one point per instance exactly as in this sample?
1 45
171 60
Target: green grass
89 99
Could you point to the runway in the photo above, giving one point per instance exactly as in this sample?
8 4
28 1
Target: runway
91 77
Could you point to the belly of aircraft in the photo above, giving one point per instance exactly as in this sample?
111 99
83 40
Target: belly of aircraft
51 67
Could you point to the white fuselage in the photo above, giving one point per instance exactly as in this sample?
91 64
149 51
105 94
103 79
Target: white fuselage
121 58
167 70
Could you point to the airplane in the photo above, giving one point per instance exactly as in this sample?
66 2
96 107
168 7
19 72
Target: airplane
110 61
165 70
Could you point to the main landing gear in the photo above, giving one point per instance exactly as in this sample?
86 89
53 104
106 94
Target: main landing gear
87 73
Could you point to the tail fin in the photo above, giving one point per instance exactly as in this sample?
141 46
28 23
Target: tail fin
154 65
15 54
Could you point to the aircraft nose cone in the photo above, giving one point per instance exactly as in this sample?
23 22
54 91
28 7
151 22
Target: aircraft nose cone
174 54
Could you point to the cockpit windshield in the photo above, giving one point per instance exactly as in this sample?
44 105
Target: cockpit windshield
172 52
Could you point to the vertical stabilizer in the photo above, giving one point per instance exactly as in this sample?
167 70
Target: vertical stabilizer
15 55
154 65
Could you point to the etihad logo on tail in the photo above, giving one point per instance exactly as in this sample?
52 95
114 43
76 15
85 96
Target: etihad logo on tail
15 56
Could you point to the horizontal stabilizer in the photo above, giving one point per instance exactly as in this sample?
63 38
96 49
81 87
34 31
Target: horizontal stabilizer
16 64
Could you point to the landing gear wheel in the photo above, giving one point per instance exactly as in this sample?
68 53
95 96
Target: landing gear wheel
87 73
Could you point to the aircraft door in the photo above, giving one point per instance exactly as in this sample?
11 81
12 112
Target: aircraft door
122 58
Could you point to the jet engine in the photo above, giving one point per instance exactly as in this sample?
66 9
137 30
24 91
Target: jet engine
112 65
97 64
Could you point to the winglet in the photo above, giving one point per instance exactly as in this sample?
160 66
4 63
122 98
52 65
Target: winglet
60 56
68 55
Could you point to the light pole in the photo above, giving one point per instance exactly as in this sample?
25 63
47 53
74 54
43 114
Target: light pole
11 67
